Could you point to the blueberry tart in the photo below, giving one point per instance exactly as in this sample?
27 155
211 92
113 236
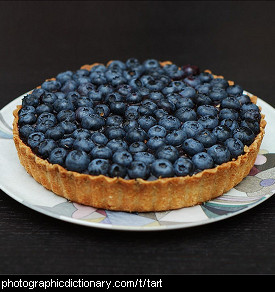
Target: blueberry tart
138 136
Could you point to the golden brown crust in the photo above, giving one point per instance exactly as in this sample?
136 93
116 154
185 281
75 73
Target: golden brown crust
137 195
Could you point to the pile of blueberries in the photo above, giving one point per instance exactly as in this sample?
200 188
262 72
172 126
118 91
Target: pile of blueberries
138 120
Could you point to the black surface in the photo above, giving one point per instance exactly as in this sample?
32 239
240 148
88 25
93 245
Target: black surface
41 39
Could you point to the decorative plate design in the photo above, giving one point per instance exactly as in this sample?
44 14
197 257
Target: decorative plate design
258 186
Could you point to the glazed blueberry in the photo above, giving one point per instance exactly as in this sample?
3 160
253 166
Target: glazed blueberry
234 90
217 94
209 122
117 144
251 115
122 157
58 156
136 135
98 166
202 161
77 160
38 92
92 122
170 123
231 102
157 131
51 85
138 169
27 109
192 128
249 106
63 104
42 108
45 148
235 146
146 157
162 168
192 146
44 125
30 100
176 137
168 152
222 133
66 115
185 114
219 153
183 166
83 144
207 138
243 99
137 147
35 139
46 117
244 134
117 170
155 142
253 125
101 151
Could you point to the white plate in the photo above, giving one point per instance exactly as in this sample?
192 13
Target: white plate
253 190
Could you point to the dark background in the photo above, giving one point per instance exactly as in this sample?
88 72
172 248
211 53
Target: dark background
40 39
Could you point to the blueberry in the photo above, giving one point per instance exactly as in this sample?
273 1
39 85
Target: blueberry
193 81
137 147
228 113
170 123
96 95
132 63
68 127
99 138
249 106
81 133
207 138
26 118
243 99
222 133
235 146
113 97
124 89
209 122
136 135
166 105
207 110
45 147
55 133
114 120
117 170
188 92
252 115
77 160
176 137
92 122
63 104
206 77
98 78
83 144
157 131
115 132
26 130
231 102
244 134
217 94
117 144
66 143
101 151
51 85
46 117
231 124
104 90
202 161
117 65
73 97
146 157
44 107
178 85
234 90
130 124
156 96
203 88
183 166
64 76
44 125
66 115
219 153
27 109
102 109
186 114
84 88
83 111
151 65
192 146
190 70
38 92
185 102
159 113
219 83
174 71
146 122
35 138
122 157
203 99
69 85
98 166
138 169
118 107
192 128
168 152
162 168
253 125
154 84
155 142
58 156
31 100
